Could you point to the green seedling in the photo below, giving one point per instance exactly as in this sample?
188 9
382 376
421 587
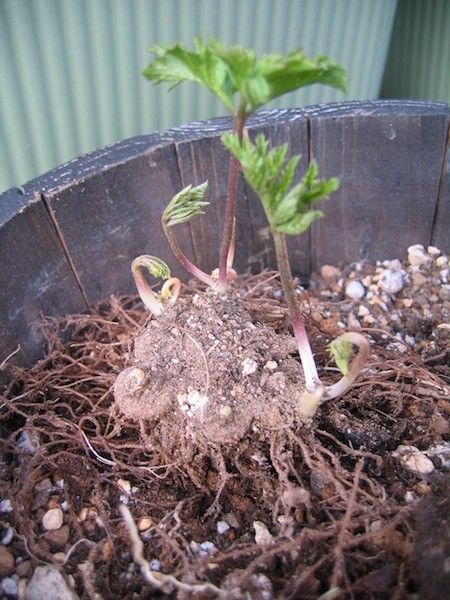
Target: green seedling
243 82
290 210
153 301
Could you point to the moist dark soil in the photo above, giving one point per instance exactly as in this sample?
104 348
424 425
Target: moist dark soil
163 458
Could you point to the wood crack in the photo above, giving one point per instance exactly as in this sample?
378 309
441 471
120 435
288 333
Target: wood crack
65 249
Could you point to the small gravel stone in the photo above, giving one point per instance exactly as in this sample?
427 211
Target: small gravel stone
53 519
355 290
271 365
206 548
433 251
10 587
28 443
58 538
417 255
442 261
418 279
352 322
23 569
263 537
248 366
391 282
6 506
124 485
363 311
155 565
145 523
7 536
222 527
414 460
6 562
47 583
330 273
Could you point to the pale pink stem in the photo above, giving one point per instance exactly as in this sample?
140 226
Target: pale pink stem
338 389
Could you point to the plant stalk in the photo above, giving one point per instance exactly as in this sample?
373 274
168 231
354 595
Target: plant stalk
187 264
230 207
297 319
339 388
147 295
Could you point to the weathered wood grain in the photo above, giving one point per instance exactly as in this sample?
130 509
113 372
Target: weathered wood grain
388 155
440 235
108 217
35 276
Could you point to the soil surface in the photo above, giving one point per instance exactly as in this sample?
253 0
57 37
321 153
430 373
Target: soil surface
163 458
204 370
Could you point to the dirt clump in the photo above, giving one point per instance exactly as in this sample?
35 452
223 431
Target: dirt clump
206 369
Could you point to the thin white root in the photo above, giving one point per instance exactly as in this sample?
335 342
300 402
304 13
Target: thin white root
161 581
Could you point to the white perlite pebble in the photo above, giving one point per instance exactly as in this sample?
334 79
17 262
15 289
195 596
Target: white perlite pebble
442 261
417 255
6 506
248 366
9 587
222 527
355 290
414 460
47 583
391 282
53 519
433 251
7 536
263 537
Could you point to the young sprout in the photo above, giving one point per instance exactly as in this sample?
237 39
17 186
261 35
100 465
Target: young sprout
289 211
243 82
170 290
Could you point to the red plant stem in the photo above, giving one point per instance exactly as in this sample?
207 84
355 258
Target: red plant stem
230 207
297 319
187 264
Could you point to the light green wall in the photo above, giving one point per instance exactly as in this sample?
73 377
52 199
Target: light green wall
70 69
418 63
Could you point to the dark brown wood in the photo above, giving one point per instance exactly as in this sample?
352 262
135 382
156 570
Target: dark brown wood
35 275
109 218
388 155
440 235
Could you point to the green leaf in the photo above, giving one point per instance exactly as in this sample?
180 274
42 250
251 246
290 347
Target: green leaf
299 223
228 71
270 175
293 71
185 205
340 351
267 171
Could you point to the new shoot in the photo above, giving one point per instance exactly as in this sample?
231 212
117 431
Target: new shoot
153 301
289 210
243 83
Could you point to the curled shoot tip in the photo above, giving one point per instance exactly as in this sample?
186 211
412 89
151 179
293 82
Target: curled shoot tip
340 351
185 205
159 269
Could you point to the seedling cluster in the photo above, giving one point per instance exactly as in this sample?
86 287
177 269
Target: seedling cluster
244 83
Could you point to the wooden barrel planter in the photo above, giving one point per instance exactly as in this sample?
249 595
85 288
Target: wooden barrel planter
344 481
67 238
